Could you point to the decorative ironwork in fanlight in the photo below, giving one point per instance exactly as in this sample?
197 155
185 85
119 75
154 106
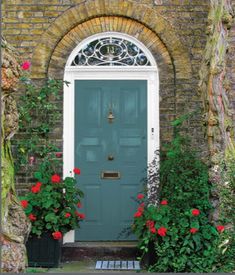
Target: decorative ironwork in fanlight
111 51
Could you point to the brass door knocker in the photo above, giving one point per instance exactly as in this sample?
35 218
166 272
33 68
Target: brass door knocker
110 115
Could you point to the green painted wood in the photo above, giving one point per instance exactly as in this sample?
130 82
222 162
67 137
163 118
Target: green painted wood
108 203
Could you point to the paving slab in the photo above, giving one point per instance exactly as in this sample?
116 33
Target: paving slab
84 266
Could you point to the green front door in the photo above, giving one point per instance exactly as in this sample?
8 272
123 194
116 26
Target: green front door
111 151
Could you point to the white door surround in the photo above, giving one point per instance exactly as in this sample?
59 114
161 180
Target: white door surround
72 73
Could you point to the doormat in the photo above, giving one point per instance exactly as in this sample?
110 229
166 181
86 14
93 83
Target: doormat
117 265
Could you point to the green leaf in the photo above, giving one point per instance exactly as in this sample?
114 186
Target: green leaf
48 226
194 224
48 188
206 253
185 242
38 175
157 217
184 224
47 204
214 231
29 209
191 244
50 217
206 234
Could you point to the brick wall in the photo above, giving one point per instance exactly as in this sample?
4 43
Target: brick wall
45 32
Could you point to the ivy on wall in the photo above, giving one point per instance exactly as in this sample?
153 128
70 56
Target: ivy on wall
38 115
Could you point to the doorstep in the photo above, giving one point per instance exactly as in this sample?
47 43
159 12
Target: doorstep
99 251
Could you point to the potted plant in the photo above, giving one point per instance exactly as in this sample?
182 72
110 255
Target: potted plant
52 206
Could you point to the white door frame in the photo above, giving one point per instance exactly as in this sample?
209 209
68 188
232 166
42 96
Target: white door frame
72 73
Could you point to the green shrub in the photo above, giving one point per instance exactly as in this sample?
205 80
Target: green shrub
184 238
52 203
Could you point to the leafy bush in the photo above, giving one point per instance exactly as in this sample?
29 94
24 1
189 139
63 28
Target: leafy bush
184 238
52 205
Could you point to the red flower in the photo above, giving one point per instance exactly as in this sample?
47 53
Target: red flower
193 230
162 231
38 184
36 188
138 214
150 223
195 212
77 171
164 202
80 215
55 178
153 230
67 215
26 65
32 217
220 228
24 203
140 196
57 235
58 154
142 204
140 209
79 205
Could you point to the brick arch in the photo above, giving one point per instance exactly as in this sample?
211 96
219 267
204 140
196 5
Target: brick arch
104 24
93 9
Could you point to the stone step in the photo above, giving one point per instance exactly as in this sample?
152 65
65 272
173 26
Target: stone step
99 250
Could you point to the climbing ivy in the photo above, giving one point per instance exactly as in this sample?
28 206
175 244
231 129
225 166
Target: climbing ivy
38 115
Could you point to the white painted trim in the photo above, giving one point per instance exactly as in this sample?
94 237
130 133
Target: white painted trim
112 68
71 74
69 237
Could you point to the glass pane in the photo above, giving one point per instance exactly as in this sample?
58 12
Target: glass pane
110 51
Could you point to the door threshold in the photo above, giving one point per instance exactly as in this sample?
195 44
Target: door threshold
110 244
99 251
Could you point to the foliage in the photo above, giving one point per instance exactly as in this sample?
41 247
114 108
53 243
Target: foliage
38 114
190 241
227 191
184 178
188 245
52 203
226 247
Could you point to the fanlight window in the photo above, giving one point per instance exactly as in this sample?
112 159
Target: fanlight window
110 51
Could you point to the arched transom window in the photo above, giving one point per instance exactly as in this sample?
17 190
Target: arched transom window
110 51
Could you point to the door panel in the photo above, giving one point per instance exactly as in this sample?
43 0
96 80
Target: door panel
108 203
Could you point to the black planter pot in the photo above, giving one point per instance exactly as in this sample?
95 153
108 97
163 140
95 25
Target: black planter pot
151 254
150 257
43 251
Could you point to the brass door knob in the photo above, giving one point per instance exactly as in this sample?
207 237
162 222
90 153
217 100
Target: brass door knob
110 157
110 117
